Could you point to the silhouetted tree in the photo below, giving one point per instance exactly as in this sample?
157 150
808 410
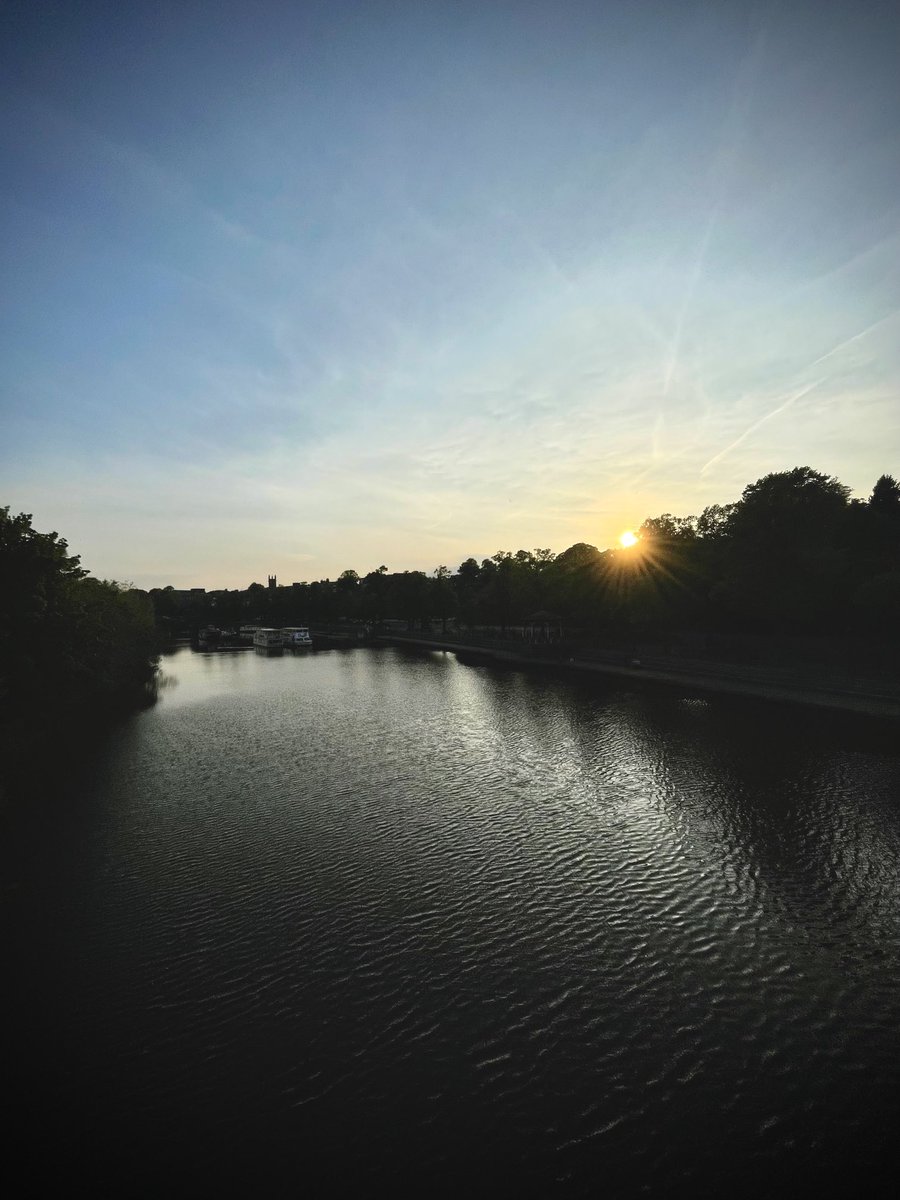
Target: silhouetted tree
409 597
786 561
69 644
885 496
468 581
444 599
375 590
794 554
347 591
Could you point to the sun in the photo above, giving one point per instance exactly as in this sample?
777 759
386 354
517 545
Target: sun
628 538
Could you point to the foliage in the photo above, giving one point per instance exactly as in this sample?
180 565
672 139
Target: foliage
885 496
68 643
794 555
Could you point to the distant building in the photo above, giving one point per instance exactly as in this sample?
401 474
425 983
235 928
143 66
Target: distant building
273 582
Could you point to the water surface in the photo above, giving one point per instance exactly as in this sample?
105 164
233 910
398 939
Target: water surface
372 916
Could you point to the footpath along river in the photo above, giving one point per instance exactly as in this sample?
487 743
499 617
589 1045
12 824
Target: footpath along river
376 916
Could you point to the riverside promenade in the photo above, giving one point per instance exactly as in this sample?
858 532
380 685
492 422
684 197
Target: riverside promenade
801 683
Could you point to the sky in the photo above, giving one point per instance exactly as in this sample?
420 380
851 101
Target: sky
291 288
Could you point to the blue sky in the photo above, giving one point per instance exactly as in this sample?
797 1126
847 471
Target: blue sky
289 288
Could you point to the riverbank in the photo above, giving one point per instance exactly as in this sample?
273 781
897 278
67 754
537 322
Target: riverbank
787 685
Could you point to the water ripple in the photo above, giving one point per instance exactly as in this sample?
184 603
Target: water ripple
385 914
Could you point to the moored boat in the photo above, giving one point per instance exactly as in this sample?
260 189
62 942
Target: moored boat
268 639
297 637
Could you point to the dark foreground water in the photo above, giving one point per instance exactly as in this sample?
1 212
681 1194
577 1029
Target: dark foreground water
375 918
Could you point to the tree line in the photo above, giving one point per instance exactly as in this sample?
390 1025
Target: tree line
795 555
72 647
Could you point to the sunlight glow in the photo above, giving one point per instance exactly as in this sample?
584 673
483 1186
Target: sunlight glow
628 538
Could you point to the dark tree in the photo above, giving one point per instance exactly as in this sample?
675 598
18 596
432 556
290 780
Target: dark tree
444 604
70 646
885 496
786 560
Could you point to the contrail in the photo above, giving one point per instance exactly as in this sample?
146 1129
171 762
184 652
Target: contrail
792 399
850 340
805 390
723 162
693 281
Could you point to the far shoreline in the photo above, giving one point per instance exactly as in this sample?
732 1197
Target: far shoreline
721 679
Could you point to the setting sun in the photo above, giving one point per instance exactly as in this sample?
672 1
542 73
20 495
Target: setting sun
628 538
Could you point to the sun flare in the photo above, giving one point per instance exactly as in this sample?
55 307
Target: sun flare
628 538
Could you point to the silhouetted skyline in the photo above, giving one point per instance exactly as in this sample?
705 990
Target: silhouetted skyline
294 288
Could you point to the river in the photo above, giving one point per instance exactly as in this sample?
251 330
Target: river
378 917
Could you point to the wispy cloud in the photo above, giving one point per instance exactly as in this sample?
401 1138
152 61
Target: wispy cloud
461 292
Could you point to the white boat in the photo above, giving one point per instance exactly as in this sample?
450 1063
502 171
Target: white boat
267 639
296 636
